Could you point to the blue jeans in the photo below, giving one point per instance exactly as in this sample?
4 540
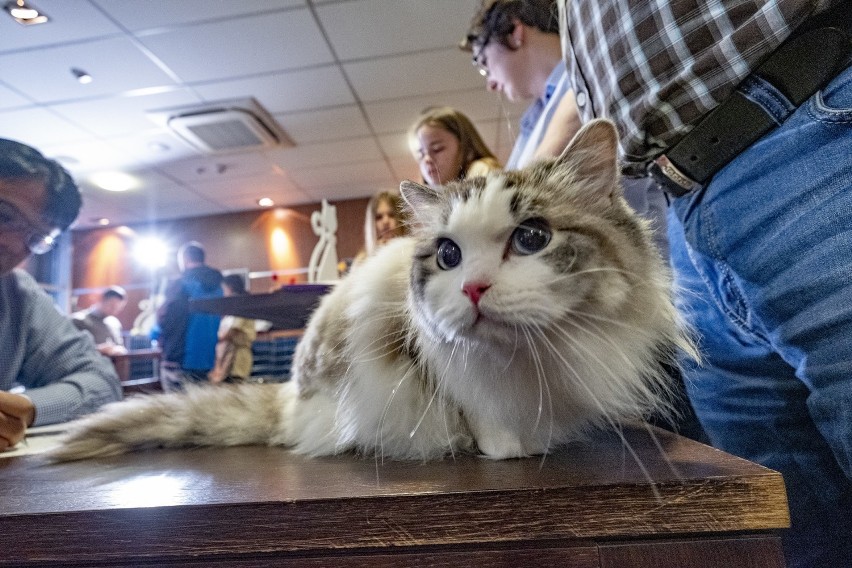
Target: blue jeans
763 263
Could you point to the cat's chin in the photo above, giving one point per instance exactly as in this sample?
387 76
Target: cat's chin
487 329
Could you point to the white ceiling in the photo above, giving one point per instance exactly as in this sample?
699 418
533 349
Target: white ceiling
343 78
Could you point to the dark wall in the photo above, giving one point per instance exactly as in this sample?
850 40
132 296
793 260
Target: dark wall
279 239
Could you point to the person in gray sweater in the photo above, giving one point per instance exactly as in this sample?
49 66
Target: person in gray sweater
54 369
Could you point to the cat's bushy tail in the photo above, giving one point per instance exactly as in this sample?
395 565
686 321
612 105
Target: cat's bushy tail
201 416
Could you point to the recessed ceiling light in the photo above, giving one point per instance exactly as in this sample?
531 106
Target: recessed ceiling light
114 181
24 13
265 202
82 77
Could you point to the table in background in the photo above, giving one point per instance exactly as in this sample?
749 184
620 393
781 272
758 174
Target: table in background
149 381
588 505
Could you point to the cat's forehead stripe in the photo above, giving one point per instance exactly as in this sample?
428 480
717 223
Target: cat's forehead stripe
476 205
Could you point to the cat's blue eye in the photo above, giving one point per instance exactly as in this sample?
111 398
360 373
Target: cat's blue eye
449 254
531 236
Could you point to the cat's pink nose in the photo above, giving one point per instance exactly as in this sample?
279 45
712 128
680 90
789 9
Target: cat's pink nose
475 290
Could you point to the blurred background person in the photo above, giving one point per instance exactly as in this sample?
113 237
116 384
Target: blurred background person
236 334
100 321
188 339
448 147
385 219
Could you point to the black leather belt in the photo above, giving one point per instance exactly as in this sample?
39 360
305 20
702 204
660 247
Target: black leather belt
802 65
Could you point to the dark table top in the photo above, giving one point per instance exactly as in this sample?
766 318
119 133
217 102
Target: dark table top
277 501
287 308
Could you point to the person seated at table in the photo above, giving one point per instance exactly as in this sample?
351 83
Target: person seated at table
100 321
448 147
236 334
56 368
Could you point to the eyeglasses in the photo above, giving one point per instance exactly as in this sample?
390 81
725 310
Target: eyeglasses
479 59
11 220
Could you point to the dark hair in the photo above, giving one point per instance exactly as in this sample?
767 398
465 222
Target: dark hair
236 283
193 252
114 292
63 200
495 20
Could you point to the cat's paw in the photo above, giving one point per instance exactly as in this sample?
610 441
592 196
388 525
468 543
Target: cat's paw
501 446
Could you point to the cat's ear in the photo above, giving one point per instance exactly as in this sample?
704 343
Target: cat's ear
591 159
420 199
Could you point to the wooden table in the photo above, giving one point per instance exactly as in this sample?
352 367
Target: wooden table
289 307
122 363
589 505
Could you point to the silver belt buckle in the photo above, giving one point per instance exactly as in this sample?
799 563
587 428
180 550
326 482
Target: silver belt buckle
674 175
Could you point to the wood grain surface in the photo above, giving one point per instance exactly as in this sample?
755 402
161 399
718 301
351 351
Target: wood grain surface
254 506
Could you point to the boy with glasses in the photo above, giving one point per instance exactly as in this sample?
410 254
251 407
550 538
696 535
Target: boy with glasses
58 368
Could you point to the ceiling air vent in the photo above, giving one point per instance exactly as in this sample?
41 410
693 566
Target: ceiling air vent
223 127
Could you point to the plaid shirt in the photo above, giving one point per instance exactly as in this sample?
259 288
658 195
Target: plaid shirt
657 66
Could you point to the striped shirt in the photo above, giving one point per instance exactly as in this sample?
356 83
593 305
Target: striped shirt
657 66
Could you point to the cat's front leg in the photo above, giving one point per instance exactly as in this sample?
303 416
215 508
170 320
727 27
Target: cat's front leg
496 441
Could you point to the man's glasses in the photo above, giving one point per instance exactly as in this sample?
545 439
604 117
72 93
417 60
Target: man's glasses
479 60
12 221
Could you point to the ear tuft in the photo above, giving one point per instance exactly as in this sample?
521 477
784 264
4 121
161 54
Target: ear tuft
420 199
591 158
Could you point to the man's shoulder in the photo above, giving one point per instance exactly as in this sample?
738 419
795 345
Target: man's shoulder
19 282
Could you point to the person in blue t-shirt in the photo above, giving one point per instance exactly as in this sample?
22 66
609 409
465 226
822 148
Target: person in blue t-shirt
188 339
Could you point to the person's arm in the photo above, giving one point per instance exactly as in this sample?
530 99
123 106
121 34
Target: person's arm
64 375
562 127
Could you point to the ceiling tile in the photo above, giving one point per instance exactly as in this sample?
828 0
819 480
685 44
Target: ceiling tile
411 75
353 27
289 91
84 157
376 172
341 152
122 115
354 190
10 99
168 13
241 47
39 127
324 125
116 65
405 168
70 20
395 146
245 192
398 115
215 169
153 147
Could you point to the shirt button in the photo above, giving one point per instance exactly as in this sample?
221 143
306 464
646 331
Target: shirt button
581 99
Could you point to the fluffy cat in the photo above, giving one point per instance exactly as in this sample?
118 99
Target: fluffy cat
527 308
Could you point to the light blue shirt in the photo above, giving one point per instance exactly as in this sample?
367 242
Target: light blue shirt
538 115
